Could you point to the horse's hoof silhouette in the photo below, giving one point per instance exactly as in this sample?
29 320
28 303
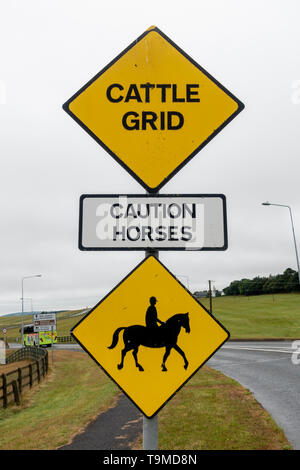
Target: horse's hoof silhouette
186 365
120 366
164 369
141 368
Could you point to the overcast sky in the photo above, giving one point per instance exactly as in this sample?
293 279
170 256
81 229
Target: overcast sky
49 49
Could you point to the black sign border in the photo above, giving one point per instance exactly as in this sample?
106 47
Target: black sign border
85 196
187 159
107 295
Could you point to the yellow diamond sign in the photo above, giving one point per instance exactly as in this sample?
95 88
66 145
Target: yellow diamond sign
150 335
153 108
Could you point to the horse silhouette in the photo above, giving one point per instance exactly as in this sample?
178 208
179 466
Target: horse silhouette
164 336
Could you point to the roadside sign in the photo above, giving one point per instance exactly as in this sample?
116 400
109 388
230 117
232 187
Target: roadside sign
163 222
4 331
46 327
153 108
43 317
44 321
148 361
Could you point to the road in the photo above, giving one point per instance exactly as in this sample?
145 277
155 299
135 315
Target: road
267 370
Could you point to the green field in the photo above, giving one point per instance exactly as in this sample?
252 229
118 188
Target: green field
65 321
261 316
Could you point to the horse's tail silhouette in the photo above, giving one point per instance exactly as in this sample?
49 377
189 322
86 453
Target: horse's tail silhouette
116 337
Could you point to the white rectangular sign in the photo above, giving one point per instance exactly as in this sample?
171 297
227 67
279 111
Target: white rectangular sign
162 222
44 321
44 328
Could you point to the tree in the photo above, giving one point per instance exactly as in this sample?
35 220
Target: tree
285 282
232 289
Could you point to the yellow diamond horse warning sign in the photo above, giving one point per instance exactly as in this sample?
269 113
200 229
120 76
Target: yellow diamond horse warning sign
150 335
153 108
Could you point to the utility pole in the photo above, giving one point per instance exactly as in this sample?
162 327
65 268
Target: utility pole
210 296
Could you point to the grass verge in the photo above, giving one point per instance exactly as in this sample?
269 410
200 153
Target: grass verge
213 412
65 402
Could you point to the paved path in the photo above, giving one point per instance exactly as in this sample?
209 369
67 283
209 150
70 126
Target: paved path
116 429
267 370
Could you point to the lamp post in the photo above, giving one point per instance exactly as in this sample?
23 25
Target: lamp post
267 203
23 279
29 298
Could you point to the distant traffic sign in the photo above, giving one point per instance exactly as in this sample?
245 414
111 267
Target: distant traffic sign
150 335
4 331
44 321
153 108
163 222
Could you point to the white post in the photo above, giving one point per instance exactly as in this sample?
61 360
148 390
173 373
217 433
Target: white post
2 352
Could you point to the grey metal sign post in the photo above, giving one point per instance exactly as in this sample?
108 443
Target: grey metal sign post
150 425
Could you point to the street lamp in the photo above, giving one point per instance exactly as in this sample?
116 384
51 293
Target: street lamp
23 278
267 203
29 298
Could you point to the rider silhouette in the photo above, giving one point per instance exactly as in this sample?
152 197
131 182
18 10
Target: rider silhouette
151 315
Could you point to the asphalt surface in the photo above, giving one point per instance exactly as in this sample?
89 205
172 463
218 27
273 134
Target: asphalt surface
267 370
116 429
